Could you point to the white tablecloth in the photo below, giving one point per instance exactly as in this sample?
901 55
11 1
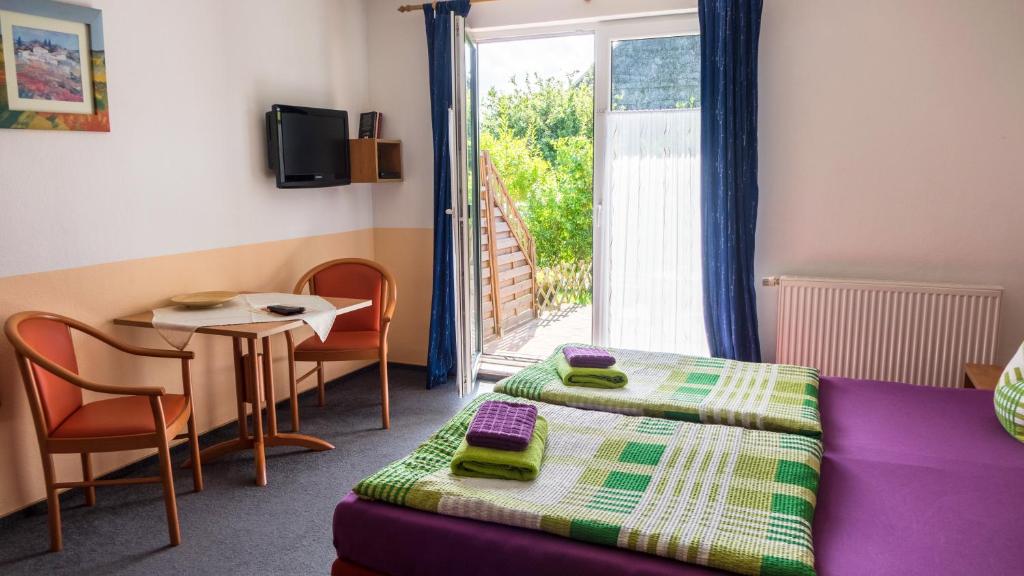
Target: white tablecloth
177 324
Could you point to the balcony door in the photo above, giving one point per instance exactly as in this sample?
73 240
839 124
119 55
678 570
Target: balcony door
648 292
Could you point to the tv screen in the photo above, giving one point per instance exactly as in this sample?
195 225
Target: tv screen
308 147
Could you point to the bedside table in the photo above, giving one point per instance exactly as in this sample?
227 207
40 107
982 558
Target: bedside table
982 376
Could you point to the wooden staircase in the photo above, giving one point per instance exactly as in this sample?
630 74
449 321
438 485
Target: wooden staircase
508 258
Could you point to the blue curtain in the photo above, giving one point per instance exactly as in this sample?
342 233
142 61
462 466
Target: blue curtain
441 352
728 66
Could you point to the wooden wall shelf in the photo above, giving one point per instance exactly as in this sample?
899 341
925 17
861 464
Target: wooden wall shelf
375 160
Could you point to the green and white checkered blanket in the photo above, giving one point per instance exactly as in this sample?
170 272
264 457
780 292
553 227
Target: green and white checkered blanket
720 496
691 388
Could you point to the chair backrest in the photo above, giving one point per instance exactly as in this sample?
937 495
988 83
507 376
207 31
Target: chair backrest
40 335
353 278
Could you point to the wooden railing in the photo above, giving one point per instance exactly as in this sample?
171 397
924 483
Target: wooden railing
494 197
562 283
565 283
495 189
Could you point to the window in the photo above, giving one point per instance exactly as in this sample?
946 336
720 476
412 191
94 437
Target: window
656 73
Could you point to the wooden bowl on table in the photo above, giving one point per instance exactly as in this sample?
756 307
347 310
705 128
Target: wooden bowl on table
204 299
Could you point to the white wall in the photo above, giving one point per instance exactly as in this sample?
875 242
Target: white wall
506 13
400 88
183 168
891 146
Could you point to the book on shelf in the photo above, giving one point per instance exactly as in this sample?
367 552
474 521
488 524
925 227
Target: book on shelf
370 124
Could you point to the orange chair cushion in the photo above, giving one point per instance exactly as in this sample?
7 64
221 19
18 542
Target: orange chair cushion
122 416
352 280
52 339
341 341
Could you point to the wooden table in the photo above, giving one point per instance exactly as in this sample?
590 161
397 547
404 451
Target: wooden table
982 376
248 384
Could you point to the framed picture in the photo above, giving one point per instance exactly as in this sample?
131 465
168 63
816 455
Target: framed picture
52 67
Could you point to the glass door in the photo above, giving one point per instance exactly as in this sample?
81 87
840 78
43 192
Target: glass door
466 203
648 277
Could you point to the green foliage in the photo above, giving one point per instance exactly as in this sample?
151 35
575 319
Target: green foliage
524 171
540 137
542 110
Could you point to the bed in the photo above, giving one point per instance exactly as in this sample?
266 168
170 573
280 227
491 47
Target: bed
753 395
914 480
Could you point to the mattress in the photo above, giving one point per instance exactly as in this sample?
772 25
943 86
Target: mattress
914 480
755 395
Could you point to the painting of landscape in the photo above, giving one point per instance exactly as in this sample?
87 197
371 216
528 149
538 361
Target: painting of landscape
53 73
48 65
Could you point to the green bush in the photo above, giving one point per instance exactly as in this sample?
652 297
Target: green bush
541 138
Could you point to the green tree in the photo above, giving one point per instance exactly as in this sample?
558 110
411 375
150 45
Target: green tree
562 207
542 110
521 167
540 136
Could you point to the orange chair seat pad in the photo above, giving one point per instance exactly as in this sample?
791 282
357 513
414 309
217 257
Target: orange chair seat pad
123 416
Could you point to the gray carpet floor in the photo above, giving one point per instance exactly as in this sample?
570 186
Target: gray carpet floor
233 526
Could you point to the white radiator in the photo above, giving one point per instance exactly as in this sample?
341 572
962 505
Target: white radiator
898 331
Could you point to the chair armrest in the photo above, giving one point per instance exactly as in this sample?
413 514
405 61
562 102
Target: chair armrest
58 370
389 311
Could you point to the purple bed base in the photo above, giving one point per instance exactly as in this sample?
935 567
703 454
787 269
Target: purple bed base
915 481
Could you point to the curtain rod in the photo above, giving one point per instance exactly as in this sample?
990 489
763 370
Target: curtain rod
414 7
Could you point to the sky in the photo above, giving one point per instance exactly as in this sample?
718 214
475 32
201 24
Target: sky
63 39
557 56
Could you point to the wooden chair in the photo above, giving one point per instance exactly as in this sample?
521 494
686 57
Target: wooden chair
360 335
141 417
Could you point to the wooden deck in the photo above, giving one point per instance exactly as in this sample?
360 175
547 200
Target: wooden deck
539 337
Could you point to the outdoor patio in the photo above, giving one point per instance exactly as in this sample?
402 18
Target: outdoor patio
539 337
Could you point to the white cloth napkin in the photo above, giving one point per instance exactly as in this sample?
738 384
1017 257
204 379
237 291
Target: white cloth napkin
177 324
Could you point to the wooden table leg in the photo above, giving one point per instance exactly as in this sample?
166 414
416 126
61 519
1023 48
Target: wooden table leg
240 386
222 448
268 387
257 415
248 381
243 442
275 438
300 440
292 384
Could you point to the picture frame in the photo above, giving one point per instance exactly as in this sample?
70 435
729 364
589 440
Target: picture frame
52 67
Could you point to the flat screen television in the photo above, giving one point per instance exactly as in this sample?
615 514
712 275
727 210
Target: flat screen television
308 147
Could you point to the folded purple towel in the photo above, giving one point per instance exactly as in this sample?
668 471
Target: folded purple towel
580 357
502 425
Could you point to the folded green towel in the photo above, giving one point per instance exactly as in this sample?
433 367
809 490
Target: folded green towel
610 377
480 462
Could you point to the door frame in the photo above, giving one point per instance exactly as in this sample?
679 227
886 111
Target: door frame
533 33
465 212
604 32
